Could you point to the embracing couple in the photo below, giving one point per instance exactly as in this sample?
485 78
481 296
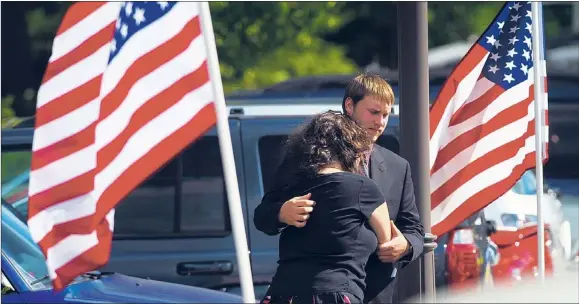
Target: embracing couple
344 206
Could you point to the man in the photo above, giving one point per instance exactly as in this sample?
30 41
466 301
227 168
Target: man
368 100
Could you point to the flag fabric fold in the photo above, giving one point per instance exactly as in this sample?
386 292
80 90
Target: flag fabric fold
482 122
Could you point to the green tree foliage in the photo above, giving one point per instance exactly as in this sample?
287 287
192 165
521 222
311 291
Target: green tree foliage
481 14
262 43
42 26
9 119
371 35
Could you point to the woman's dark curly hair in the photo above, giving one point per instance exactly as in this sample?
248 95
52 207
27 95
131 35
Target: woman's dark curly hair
329 137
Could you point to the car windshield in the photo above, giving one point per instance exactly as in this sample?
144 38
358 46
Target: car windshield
517 220
527 184
22 252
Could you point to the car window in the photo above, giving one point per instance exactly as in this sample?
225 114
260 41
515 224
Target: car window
516 220
511 220
203 191
149 209
531 218
270 156
527 184
23 253
186 197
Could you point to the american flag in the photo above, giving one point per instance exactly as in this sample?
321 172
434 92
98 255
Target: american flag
127 88
482 131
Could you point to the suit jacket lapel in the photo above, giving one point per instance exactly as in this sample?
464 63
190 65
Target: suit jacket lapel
377 167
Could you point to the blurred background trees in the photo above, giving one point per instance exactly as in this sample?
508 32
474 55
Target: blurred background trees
259 43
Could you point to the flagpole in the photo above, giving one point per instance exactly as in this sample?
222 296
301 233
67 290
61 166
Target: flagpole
231 183
538 74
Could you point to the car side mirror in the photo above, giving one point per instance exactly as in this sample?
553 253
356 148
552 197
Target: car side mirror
491 227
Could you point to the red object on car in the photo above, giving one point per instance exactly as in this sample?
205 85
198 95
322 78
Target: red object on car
519 253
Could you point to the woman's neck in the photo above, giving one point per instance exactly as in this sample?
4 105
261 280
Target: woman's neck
331 168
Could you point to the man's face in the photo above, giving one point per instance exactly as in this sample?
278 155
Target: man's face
369 113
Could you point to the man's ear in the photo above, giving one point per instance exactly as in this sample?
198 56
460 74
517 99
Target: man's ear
349 106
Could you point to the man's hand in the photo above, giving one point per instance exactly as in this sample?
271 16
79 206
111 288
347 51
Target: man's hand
296 211
395 249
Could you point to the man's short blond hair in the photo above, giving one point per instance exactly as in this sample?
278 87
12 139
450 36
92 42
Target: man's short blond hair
368 84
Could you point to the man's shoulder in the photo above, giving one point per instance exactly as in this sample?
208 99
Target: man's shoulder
389 156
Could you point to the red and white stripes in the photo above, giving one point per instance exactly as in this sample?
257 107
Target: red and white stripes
103 127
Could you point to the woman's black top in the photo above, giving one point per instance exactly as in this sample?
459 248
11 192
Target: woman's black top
329 254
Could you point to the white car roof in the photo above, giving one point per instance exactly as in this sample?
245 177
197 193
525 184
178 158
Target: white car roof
305 109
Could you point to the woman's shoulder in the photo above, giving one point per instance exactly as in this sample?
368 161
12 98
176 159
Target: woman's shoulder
369 188
341 178
352 177
342 181
351 181
342 175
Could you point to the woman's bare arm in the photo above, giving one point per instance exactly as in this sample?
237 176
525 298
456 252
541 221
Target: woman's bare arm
380 223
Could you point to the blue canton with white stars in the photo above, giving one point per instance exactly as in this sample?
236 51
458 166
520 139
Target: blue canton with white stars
508 40
133 17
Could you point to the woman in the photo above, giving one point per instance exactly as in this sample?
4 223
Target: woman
323 262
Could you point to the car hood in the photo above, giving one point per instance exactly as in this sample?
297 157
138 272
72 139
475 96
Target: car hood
122 288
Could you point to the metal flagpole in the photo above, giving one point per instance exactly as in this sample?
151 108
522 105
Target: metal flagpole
235 211
539 72
412 22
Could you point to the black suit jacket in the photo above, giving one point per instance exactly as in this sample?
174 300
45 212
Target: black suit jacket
392 174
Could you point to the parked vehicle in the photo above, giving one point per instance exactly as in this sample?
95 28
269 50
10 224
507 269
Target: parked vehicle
515 218
519 254
25 278
519 206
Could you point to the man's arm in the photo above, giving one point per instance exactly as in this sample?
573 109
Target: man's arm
294 212
273 214
266 214
408 221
